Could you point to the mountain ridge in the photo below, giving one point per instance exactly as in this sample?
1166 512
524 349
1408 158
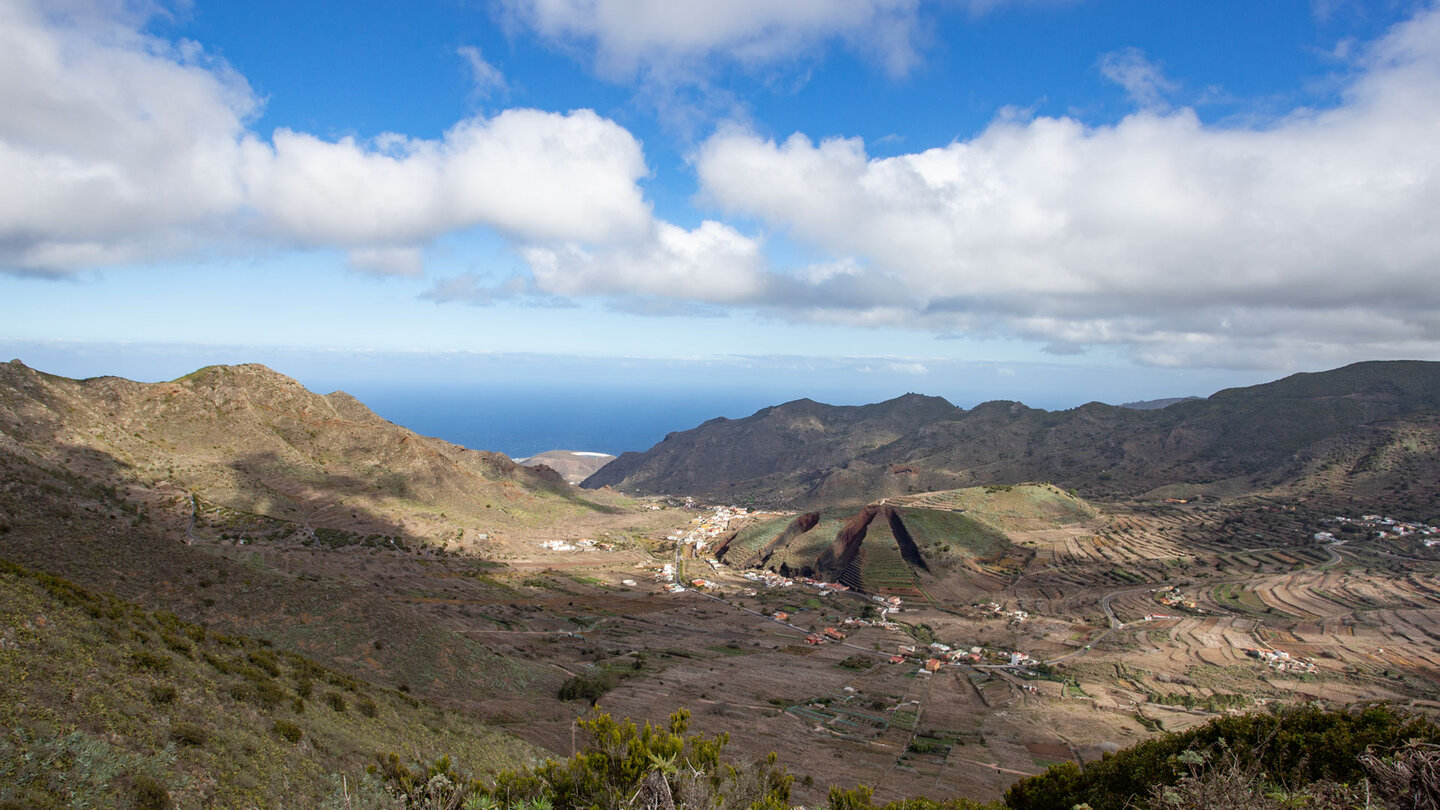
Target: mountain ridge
249 438
1283 433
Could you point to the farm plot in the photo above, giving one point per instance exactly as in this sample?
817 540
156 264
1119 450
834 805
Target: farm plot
882 568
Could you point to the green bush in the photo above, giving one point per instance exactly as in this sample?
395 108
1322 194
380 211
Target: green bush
366 706
621 766
162 694
189 734
1294 748
288 731
153 661
148 793
269 695
335 700
586 687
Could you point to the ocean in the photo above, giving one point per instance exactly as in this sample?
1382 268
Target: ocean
521 423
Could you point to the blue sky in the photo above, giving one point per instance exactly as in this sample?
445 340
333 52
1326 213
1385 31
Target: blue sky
1047 200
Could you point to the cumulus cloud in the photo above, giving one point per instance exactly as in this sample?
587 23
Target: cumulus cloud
113 145
628 36
1179 241
713 264
121 147
535 175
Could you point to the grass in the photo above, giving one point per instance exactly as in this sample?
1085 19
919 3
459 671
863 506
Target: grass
950 538
100 698
1239 599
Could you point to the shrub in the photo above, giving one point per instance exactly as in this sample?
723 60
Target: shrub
177 644
189 734
621 766
1294 748
587 687
288 731
153 661
366 706
265 660
162 694
149 793
269 695
335 700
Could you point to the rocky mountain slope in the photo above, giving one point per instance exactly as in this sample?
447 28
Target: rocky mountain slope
1370 429
252 440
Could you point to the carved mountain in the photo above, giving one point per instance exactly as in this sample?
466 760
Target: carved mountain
1367 429
953 542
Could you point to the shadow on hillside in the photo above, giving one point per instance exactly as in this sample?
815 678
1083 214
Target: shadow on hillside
69 518
270 486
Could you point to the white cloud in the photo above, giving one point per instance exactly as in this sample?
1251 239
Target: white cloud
113 145
1142 79
120 147
388 261
486 78
1182 242
634 35
713 264
532 174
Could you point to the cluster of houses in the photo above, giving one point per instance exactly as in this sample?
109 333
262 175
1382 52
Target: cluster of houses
1384 528
885 623
938 655
999 610
1171 596
769 579
829 633
825 588
705 528
1280 660
583 544
664 573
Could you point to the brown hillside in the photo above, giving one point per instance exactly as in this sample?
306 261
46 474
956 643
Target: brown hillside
250 439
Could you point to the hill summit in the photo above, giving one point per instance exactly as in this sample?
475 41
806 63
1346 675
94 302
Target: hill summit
250 439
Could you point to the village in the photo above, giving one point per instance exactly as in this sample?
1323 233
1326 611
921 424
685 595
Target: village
1380 527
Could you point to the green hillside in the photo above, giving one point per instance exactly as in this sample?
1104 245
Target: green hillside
1017 507
106 704
947 539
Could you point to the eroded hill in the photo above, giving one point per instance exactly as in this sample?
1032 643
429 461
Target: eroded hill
945 539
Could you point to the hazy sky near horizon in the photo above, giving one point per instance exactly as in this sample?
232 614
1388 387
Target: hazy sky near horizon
1047 200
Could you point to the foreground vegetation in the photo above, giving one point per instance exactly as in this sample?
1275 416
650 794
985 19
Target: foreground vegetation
106 704
1305 758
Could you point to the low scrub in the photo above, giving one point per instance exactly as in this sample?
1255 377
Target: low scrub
1296 748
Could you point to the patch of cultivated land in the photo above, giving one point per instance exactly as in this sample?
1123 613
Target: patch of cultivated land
503 621
1352 625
